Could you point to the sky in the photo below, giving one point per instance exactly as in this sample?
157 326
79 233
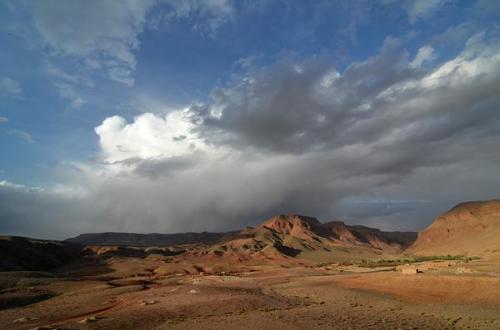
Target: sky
210 115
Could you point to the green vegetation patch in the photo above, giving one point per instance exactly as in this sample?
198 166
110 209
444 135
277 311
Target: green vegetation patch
412 260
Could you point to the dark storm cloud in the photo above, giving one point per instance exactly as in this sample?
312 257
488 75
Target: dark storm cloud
292 107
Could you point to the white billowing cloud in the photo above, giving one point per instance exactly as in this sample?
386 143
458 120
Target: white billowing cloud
458 72
466 67
10 87
148 136
424 54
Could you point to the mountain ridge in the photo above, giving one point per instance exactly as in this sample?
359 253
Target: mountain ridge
285 234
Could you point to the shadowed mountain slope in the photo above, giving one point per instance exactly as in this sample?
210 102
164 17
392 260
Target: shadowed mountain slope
132 239
21 253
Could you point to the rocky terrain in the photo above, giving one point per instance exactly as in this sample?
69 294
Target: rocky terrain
290 272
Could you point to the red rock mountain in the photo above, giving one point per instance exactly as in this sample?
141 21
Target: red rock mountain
470 228
298 235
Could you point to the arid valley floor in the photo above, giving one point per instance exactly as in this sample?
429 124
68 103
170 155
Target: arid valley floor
242 282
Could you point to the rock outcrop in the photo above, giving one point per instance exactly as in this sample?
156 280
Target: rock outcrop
470 228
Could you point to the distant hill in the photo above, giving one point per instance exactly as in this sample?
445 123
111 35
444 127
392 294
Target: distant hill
21 253
470 228
144 240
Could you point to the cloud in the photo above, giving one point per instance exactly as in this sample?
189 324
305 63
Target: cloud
35 212
379 101
10 185
68 92
207 16
3 120
419 9
148 136
286 109
424 8
424 54
368 144
86 39
10 88
23 135
104 33
488 7
69 86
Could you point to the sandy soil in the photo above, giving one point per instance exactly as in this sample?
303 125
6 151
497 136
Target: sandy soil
130 293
